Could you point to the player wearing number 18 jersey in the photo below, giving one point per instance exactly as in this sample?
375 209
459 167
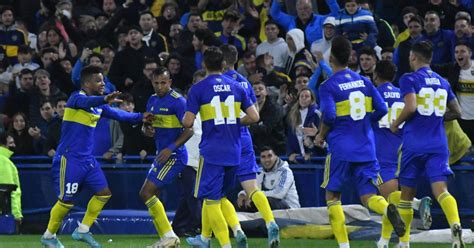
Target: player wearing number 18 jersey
427 97
349 102
218 99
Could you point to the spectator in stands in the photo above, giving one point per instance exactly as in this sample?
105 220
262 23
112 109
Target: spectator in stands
357 25
175 31
270 129
202 39
88 57
169 15
401 54
267 73
353 62
446 11
60 71
230 24
274 45
25 61
462 29
42 92
19 98
179 74
152 38
39 130
385 36
10 174
387 54
121 73
367 61
109 7
296 49
302 121
305 19
440 38
185 46
249 68
407 14
276 182
143 89
12 37
323 45
134 142
461 76
64 46
252 43
301 82
48 55
18 129
54 130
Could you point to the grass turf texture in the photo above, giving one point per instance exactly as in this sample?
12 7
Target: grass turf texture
132 241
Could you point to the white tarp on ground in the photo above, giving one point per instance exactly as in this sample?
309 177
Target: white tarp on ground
440 236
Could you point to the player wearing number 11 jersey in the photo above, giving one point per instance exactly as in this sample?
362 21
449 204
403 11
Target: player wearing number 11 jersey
427 97
349 102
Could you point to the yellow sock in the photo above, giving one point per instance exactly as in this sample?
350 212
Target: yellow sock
157 212
205 222
377 204
229 213
394 197
450 208
217 221
338 221
406 212
59 210
261 202
94 207
387 227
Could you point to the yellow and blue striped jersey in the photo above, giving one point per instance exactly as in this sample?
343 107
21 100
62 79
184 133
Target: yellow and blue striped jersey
424 131
387 143
80 119
169 112
219 100
349 102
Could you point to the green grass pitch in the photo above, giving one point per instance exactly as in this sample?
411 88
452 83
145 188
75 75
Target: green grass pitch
141 241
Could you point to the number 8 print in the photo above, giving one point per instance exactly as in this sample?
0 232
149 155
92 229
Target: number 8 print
357 105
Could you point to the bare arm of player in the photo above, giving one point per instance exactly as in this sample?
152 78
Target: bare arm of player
165 154
188 119
454 110
407 111
321 136
251 117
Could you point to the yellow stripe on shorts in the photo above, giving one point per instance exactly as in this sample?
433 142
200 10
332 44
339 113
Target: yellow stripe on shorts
166 168
327 169
198 176
62 176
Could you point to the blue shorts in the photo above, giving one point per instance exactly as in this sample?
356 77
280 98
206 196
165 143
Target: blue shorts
414 164
388 172
248 168
164 174
213 182
339 173
70 173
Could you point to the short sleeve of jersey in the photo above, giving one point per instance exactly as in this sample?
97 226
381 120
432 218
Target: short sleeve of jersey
451 95
407 85
192 103
180 107
327 102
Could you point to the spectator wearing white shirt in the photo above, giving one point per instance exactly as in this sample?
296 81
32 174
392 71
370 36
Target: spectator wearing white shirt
274 45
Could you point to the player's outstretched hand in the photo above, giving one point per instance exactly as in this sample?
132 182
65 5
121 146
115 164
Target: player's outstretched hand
319 141
163 156
112 97
148 118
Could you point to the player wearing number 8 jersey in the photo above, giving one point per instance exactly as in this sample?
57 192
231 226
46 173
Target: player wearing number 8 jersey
218 99
427 99
349 102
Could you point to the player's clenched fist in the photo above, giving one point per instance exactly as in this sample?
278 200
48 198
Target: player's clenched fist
148 117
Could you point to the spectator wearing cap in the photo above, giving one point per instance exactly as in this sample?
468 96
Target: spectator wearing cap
230 25
407 13
323 45
121 73
462 29
43 91
11 37
19 98
274 45
305 20
442 39
90 58
151 37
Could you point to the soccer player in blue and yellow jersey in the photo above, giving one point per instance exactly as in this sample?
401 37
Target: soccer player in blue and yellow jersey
387 145
248 168
218 100
349 102
73 165
429 101
168 107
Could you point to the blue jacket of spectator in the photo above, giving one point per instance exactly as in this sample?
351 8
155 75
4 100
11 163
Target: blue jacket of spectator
443 45
314 81
313 30
76 78
362 21
292 145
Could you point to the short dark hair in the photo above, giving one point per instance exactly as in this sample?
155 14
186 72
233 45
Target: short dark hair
409 9
198 73
266 148
48 50
24 49
386 70
423 50
213 58
26 71
5 8
3 138
193 13
161 70
341 49
249 54
230 53
432 12
271 22
147 12
88 71
388 49
231 15
126 97
367 50
98 55
260 82
464 43
60 99
418 19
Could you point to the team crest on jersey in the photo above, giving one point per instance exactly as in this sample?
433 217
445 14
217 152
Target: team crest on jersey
152 108
218 80
389 87
348 76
